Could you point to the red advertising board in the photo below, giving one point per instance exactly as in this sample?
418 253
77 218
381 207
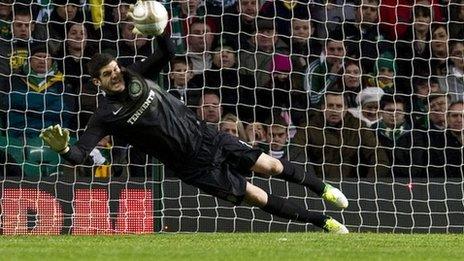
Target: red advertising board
80 208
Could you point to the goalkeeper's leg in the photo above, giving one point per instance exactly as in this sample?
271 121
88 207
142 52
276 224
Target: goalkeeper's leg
285 208
283 169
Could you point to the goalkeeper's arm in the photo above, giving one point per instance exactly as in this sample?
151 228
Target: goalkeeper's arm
150 18
58 140
156 62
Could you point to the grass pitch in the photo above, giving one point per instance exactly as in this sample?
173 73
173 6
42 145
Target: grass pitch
235 246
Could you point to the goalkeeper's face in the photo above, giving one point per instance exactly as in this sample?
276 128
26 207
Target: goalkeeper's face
111 79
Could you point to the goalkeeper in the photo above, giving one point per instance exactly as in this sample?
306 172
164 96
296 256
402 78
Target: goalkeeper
150 119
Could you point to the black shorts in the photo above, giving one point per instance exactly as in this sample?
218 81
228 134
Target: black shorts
222 161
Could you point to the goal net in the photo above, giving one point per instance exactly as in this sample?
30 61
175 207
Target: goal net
365 94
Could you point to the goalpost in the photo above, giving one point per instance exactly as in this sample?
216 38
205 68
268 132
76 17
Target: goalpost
127 192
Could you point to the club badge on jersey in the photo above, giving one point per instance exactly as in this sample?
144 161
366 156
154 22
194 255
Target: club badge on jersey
135 89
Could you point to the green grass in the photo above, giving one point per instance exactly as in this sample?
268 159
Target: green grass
237 246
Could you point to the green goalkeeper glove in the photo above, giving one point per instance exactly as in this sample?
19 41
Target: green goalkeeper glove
56 137
150 17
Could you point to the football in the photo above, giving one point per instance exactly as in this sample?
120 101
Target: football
150 17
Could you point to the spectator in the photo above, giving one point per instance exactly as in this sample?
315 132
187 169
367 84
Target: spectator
256 133
455 140
238 26
405 148
200 41
395 16
180 81
77 52
183 15
255 60
282 12
219 7
413 51
351 82
364 40
453 84
117 14
339 145
384 74
280 94
55 29
456 23
278 142
368 102
323 72
447 154
36 98
440 52
5 19
14 52
305 49
223 77
101 156
330 15
109 158
423 89
436 118
130 48
237 95
209 108
435 125
232 125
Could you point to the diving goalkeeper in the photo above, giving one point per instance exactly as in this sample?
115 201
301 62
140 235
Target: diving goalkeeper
147 117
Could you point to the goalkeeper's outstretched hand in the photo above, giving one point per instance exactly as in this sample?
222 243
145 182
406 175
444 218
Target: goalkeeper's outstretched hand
150 17
56 137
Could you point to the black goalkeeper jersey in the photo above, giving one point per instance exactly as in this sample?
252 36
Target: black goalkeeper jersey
148 118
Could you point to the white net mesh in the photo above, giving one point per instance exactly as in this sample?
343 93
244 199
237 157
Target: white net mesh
367 96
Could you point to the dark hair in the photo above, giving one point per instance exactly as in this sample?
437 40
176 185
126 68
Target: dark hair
20 9
335 35
123 23
265 24
388 99
275 120
422 10
97 62
436 95
434 79
210 91
455 9
70 24
336 87
454 103
358 3
419 80
437 25
201 22
65 2
350 60
180 59
38 47
454 43
335 91
207 91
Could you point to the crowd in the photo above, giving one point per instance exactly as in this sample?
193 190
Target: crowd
350 89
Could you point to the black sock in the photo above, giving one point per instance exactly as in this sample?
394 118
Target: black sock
297 175
285 208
